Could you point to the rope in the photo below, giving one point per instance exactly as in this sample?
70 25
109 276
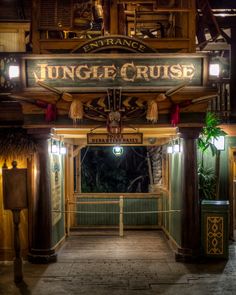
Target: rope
127 212
95 202
84 155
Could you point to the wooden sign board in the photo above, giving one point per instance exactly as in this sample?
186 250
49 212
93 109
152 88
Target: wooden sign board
101 71
113 139
14 188
112 42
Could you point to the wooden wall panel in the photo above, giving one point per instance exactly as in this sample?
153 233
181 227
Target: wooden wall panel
12 36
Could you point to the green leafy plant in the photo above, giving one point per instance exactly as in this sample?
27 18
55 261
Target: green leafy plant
207 182
209 132
209 178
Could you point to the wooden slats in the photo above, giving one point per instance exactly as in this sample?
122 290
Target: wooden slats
55 15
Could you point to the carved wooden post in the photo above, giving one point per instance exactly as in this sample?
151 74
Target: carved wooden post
15 198
18 274
190 219
41 249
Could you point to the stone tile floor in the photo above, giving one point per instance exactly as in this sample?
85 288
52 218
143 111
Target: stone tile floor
103 263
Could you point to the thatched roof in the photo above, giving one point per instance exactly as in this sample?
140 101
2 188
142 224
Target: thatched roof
15 144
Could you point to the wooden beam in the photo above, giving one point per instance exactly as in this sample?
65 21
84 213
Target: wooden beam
113 18
35 26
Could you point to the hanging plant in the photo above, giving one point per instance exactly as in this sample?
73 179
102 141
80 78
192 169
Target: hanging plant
15 144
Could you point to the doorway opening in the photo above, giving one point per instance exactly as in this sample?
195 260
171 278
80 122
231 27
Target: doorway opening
102 177
140 175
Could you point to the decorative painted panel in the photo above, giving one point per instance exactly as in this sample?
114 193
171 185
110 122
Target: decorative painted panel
215 235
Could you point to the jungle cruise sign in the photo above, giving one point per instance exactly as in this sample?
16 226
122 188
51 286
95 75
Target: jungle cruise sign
102 71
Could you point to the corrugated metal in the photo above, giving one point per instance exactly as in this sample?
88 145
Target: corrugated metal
130 205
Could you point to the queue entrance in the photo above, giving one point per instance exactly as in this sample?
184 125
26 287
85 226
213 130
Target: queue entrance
107 191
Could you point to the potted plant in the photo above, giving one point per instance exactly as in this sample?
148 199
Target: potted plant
214 213
209 177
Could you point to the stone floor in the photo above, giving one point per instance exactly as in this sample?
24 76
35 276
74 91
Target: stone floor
103 263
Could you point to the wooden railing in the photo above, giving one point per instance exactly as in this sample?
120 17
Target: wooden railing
121 212
76 200
69 210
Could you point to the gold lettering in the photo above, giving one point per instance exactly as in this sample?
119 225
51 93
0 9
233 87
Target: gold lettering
82 72
118 41
127 42
109 41
128 67
101 43
110 72
188 71
142 72
53 72
155 72
134 45
43 68
94 71
141 48
92 45
87 48
70 71
176 72
165 72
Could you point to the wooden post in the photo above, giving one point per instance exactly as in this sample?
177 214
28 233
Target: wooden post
121 227
122 20
35 26
41 250
190 207
192 26
18 274
68 216
113 18
15 198
106 16
70 183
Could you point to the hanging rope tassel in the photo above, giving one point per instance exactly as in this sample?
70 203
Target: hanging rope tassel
152 111
175 118
76 111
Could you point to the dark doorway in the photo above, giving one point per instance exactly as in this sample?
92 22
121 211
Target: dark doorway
102 171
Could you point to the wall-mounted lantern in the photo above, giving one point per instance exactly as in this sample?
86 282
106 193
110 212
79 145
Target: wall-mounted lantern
117 150
62 149
214 70
14 72
219 143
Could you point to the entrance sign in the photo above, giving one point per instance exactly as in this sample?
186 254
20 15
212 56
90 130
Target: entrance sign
114 42
107 138
99 72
